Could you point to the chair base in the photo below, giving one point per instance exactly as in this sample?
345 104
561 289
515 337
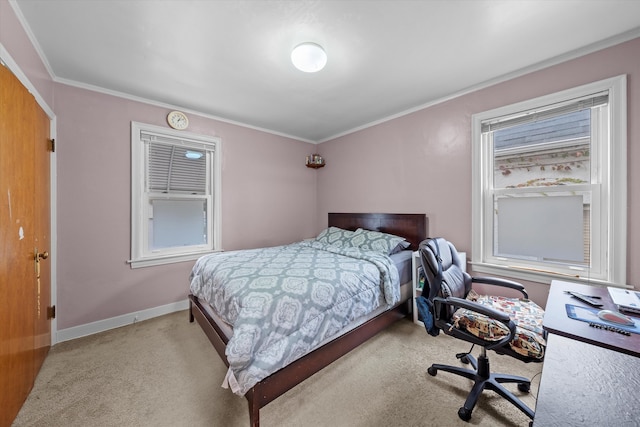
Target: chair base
484 379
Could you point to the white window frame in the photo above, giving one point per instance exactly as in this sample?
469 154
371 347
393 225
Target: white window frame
609 207
141 255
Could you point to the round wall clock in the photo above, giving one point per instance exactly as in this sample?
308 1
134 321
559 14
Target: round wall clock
177 120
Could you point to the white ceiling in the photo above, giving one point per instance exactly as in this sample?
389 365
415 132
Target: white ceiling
231 59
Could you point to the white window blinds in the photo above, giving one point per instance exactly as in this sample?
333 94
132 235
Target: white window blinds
545 113
176 165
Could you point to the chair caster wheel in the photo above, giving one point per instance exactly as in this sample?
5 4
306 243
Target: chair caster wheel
524 387
464 414
432 371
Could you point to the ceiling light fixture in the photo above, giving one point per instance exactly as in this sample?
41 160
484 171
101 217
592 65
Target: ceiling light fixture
309 57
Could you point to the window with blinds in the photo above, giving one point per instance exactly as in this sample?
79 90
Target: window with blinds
175 195
550 154
543 194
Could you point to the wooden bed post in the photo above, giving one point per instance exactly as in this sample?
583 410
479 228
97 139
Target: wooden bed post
254 409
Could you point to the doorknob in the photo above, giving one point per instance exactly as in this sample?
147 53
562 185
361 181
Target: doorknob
37 257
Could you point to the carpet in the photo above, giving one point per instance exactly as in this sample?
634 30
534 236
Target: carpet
164 372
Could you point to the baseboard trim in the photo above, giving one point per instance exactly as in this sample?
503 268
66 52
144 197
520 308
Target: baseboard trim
119 321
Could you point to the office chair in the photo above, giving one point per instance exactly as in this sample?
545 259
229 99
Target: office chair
508 326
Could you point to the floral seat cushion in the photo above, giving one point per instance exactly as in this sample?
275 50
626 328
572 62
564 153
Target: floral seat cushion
529 338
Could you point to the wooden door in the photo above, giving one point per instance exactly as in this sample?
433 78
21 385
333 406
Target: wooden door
23 208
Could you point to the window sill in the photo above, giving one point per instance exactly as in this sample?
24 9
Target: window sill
536 276
166 259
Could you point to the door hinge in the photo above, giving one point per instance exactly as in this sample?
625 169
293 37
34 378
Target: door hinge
53 145
51 312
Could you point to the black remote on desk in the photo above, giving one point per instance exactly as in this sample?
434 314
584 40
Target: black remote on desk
585 298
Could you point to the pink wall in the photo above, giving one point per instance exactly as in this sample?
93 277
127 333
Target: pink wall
268 198
422 162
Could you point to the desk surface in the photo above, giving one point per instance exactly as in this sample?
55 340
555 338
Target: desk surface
557 322
583 385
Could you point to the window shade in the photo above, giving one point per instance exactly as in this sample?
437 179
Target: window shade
169 169
164 139
544 228
541 114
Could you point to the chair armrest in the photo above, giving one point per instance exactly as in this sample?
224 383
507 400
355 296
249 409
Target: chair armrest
502 282
492 313
500 316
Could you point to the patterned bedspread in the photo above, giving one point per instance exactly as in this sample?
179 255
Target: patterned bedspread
285 300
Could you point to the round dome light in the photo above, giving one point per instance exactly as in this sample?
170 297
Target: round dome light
309 57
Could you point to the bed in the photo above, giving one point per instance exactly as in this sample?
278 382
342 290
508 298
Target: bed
413 227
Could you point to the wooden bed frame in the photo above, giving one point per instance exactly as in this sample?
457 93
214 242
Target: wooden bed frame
411 226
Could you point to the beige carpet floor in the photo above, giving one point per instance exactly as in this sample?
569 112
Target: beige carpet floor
164 372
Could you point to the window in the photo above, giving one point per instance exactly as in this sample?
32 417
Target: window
175 195
549 186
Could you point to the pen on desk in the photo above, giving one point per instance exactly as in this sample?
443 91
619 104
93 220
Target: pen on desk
590 296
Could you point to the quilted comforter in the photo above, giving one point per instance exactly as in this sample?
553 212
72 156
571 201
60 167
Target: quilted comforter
282 302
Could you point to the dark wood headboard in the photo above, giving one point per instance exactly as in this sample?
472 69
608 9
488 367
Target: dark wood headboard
413 227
